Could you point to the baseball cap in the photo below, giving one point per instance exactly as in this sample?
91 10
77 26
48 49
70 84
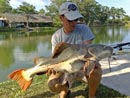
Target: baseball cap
70 10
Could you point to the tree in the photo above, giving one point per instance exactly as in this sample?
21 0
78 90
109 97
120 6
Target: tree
52 9
116 13
113 14
126 18
120 13
42 11
5 6
26 9
102 13
88 11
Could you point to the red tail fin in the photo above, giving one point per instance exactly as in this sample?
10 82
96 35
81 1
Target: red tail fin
18 76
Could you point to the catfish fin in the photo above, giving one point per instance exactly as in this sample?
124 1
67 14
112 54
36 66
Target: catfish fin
18 76
59 48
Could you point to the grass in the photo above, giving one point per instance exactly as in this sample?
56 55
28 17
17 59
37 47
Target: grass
39 89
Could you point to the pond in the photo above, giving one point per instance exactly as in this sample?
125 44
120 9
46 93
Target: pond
19 52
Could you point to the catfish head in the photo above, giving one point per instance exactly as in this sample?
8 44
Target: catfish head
99 51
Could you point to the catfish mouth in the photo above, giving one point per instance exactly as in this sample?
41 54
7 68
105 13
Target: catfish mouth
104 54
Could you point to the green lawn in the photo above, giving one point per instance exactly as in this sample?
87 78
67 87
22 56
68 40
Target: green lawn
39 89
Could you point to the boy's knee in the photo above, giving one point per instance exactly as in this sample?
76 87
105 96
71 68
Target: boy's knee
55 83
55 86
52 84
97 71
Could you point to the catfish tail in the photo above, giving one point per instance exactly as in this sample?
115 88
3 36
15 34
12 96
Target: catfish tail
20 77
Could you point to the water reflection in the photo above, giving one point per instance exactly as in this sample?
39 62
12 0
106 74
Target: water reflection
19 52
111 35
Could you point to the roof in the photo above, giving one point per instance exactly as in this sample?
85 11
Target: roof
23 18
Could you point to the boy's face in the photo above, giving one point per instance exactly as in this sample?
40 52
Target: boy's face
68 25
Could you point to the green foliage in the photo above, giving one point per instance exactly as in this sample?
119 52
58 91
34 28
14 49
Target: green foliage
26 8
42 11
126 19
90 9
5 6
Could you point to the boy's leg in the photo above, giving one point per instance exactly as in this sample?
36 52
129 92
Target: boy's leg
55 85
94 80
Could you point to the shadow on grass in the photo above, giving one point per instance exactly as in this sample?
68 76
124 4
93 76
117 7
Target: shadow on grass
102 92
47 94
81 90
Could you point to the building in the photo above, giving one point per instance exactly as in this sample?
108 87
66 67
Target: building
29 20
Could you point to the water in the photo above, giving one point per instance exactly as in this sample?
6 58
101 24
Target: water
19 52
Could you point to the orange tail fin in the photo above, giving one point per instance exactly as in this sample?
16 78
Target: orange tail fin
18 76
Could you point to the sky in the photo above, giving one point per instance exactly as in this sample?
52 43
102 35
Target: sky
125 4
39 4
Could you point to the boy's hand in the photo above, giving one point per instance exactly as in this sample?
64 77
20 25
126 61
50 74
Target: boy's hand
50 71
